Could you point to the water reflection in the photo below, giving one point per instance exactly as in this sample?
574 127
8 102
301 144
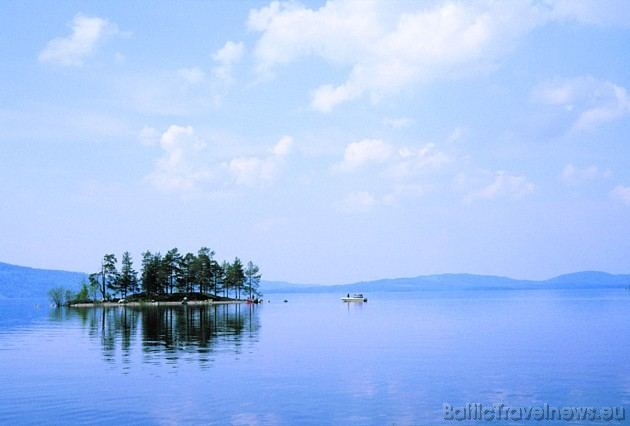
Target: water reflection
165 334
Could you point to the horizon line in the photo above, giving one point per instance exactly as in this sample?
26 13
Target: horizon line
374 279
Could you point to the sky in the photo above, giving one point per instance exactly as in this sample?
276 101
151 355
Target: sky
328 142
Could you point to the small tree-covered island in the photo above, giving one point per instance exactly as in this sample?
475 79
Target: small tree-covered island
171 277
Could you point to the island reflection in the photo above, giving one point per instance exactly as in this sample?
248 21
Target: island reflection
165 334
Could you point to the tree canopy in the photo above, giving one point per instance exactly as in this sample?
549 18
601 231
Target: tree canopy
175 272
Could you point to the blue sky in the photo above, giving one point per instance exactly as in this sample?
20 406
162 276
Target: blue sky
327 141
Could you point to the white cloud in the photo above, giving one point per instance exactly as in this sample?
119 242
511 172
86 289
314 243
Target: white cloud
184 91
616 107
230 54
186 167
87 33
390 46
283 147
401 163
621 193
179 168
573 175
364 152
594 102
398 172
252 170
326 97
504 185
411 161
258 171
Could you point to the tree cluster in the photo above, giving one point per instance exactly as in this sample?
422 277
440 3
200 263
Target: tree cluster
176 272
61 296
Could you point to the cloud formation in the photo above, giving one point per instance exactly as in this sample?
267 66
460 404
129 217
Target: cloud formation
260 171
72 50
400 172
229 55
411 161
504 185
364 152
186 166
388 47
400 163
593 102
179 167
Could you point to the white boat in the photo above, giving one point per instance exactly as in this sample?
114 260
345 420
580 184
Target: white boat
357 297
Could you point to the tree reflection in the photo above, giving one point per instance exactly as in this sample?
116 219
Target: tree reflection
164 334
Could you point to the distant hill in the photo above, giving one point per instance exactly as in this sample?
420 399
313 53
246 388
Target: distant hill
282 286
589 279
23 282
443 282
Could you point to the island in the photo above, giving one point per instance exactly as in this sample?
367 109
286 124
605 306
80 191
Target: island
172 278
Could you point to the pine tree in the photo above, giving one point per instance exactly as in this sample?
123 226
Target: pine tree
204 268
186 277
94 286
217 272
252 279
235 276
150 273
225 269
128 279
109 274
171 264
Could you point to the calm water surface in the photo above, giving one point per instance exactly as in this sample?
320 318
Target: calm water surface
315 360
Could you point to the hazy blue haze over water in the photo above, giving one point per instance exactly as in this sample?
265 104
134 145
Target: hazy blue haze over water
315 360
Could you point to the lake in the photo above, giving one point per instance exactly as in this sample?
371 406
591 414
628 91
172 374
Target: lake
315 360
